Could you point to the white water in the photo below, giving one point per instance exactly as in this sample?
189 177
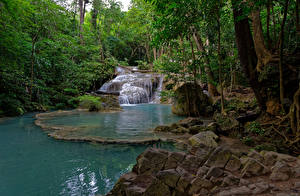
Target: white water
134 88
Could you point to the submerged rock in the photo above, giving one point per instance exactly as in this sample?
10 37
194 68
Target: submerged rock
191 101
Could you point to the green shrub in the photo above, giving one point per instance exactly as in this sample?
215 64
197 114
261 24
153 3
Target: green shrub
142 65
255 127
247 140
71 91
89 102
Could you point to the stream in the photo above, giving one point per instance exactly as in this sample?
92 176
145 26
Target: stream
31 163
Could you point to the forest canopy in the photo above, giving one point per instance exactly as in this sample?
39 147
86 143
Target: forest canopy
52 51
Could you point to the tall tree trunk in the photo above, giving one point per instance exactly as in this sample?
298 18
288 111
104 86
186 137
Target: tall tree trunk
268 25
211 87
194 60
281 86
246 51
274 28
297 17
81 20
154 54
33 42
220 65
263 54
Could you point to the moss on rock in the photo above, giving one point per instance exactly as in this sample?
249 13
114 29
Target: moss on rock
189 100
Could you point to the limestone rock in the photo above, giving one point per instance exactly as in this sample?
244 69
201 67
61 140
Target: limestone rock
191 163
236 191
198 183
157 188
207 138
214 172
234 164
226 123
173 159
230 180
151 160
189 122
254 168
179 130
184 181
162 128
190 100
169 177
219 157
202 171
260 187
280 171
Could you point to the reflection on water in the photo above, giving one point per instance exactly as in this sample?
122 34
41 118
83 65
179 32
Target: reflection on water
130 124
33 164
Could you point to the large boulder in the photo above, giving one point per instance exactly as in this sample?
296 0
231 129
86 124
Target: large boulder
189 100
206 138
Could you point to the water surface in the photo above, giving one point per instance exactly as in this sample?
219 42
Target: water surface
133 123
32 164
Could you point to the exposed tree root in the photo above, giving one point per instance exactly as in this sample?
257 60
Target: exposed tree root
288 126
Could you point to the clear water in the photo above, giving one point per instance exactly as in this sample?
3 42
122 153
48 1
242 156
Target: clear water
133 123
32 164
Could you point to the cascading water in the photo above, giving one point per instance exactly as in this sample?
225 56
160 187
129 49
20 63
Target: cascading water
134 88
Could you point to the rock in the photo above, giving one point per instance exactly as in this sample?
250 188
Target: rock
196 129
297 185
255 155
150 161
236 191
180 130
215 172
169 177
201 128
184 180
280 171
189 122
198 183
135 191
191 163
296 172
162 128
174 126
234 164
253 168
226 123
260 187
202 171
219 157
204 138
189 100
174 159
244 182
230 180
270 158
157 188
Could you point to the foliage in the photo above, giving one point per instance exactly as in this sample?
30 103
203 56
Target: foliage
255 127
89 102
142 65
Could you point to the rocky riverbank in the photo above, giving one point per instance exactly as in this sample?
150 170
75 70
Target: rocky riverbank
222 170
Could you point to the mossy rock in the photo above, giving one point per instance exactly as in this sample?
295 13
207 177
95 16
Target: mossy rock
189 100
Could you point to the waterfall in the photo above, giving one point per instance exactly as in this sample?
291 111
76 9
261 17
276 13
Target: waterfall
158 90
134 88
